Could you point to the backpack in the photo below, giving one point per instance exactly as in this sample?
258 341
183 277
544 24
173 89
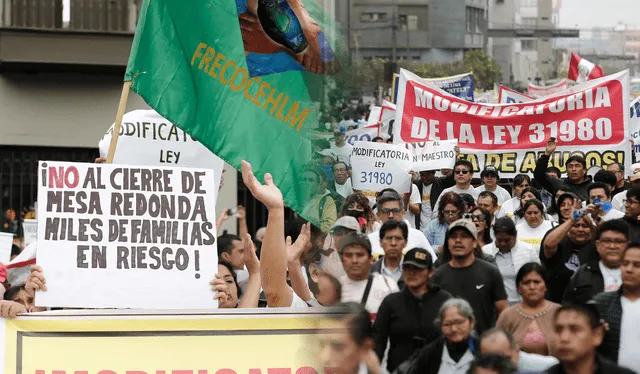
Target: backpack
337 199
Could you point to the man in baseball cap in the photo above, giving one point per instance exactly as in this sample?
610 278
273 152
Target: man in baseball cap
490 179
342 227
471 278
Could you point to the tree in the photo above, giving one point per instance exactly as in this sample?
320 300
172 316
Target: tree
486 71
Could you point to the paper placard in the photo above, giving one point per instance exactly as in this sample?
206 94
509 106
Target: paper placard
365 134
6 242
376 166
148 139
30 229
113 236
433 155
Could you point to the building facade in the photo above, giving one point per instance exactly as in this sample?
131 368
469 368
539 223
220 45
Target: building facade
413 30
61 75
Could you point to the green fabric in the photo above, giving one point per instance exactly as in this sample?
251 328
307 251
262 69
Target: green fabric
168 69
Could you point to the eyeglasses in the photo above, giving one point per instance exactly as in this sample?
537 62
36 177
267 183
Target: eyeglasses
458 322
310 180
394 211
630 202
464 172
613 241
473 217
450 212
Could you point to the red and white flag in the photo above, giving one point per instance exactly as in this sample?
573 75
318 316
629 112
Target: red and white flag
581 70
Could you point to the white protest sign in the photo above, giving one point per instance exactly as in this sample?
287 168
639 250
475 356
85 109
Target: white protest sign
484 97
374 115
387 116
634 125
6 242
542 91
376 166
433 155
30 229
509 96
364 134
148 139
113 236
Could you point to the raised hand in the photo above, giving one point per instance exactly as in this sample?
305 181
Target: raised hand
295 250
219 287
250 258
551 146
35 281
268 194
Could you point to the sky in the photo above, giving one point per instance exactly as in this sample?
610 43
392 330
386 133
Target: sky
602 13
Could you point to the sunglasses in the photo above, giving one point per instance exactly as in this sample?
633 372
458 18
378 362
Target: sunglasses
394 211
464 172
473 217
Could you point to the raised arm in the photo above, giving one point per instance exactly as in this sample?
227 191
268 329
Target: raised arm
294 263
540 172
273 259
554 237
251 295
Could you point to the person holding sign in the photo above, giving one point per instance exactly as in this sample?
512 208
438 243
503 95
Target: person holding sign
577 178
463 173
391 206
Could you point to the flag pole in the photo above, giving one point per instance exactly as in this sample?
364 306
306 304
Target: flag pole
116 127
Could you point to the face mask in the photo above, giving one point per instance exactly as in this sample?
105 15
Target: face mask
355 213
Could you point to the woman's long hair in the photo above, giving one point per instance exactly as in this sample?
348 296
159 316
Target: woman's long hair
520 211
486 236
449 198
360 199
518 181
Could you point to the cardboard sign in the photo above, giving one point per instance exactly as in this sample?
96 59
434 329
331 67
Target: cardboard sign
113 236
365 134
590 120
30 229
6 242
376 166
433 155
374 115
148 139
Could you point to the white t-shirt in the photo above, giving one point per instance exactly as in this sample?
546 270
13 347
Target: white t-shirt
471 191
345 189
612 277
509 207
629 334
416 239
426 210
352 291
413 199
343 153
297 302
611 215
500 192
533 236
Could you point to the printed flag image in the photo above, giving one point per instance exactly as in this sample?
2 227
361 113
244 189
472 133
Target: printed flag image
216 70
280 35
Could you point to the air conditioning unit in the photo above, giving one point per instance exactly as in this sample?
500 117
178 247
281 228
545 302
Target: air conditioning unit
100 15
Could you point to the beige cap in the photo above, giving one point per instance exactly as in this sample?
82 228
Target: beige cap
466 224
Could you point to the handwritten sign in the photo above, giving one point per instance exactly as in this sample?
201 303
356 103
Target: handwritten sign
113 236
148 139
30 229
433 155
376 166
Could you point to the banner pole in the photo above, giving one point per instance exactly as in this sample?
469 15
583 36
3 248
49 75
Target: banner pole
116 127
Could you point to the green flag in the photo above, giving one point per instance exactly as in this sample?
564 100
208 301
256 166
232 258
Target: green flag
242 77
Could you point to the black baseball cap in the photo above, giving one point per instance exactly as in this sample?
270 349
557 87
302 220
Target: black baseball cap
489 170
419 258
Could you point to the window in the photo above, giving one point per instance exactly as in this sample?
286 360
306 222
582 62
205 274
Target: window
528 3
475 20
529 21
528 45
373 17
408 22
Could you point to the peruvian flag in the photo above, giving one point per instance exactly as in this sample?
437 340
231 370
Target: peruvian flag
581 70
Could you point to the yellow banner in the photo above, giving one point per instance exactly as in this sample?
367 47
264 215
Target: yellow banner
105 342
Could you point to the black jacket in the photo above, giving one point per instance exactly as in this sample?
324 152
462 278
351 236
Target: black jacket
604 367
439 185
552 184
431 356
610 309
585 283
406 321
376 268
634 228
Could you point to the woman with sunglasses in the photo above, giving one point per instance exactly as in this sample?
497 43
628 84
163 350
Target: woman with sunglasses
405 318
481 218
520 182
450 209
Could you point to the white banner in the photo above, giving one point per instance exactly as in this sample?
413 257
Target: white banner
148 139
365 134
590 120
376 166
509 96
30 229
111 236
6 242
374 115
387 115
486 97
542 91
634 126
433 155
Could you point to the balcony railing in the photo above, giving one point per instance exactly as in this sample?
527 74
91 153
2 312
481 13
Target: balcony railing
116 16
